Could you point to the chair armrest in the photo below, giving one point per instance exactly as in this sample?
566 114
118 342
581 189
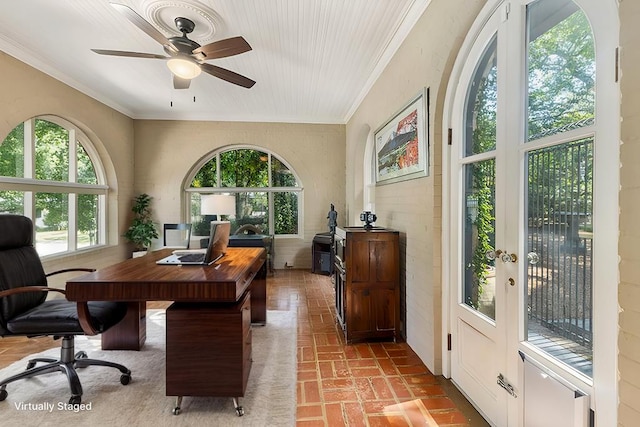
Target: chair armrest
67 270
25 289
84 317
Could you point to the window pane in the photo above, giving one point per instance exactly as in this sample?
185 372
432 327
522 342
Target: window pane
52 223
281 175
86 172
87 220
12 153
561 68
479 237
481 108
206 176
52 151
560 236
244 168
12 202
286 212
253 208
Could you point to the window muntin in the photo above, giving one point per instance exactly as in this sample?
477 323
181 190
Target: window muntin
59 187
267 192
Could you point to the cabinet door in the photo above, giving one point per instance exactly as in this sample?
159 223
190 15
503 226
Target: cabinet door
384 302
383 260
360 321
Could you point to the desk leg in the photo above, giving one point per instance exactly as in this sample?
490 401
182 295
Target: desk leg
259 297
131 332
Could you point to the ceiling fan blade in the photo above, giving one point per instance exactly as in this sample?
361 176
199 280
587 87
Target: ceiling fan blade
129 54
142 24
224 48
179 83
227 75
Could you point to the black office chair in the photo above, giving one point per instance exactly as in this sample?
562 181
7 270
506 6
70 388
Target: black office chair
184 230
24 310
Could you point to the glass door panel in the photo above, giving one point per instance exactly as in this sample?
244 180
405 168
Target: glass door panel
559 182
559 245
479 287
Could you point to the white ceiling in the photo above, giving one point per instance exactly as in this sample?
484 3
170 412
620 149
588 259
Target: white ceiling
313 60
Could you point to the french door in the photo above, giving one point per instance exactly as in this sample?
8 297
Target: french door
525 173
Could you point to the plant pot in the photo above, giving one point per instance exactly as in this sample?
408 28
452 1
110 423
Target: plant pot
137 254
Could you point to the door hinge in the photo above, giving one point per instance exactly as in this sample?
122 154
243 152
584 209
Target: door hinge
502 382
450 136
617 69
448 342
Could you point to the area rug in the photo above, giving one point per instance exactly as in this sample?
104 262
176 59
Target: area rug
270 398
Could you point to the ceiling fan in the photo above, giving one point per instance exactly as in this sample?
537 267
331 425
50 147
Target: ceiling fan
186 57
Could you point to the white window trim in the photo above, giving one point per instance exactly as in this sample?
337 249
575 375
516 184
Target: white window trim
28 184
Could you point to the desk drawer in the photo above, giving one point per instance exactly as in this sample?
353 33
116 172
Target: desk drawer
207 346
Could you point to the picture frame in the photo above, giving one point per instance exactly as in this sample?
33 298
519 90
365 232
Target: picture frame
401 143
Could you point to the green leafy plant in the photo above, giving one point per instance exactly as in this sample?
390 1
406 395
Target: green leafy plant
142 230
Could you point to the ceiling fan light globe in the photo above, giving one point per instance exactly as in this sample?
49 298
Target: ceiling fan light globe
184 68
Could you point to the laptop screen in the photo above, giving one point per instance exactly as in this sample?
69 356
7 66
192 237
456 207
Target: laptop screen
218 240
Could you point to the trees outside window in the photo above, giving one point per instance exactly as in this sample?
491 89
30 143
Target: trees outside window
267 192
50 173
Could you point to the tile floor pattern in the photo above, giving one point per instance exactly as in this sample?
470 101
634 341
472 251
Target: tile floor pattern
364 384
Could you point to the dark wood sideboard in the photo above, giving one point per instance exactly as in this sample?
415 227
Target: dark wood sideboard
367 281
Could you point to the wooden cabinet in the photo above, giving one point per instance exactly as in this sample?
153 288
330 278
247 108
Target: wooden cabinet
367 279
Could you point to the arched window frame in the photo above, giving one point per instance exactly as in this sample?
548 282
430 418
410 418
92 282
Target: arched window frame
30 185
299 190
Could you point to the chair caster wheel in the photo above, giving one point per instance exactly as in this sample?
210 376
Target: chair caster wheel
239 411
3 394
81 355
75 400
176 410
125 379
30 364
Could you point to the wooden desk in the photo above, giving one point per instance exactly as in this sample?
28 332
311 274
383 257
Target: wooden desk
138 280
254 241
208 345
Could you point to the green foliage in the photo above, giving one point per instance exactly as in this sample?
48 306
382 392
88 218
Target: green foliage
561 76
51 163
142 230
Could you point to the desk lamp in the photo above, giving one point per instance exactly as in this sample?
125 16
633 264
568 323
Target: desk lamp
218 204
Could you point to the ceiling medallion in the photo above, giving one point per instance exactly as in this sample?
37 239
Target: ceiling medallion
163 12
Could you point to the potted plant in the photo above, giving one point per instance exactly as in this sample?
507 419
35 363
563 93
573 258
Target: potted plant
142 230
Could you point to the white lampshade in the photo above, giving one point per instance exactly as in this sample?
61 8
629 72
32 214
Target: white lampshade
217 204
184 68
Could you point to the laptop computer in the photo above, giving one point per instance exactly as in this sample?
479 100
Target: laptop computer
218 242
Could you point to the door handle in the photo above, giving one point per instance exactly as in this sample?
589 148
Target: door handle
504 256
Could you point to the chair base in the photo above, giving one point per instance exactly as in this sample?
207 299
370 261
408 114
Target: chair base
67 364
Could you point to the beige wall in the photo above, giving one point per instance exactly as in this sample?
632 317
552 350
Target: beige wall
414 207
27 92
166 151
629 248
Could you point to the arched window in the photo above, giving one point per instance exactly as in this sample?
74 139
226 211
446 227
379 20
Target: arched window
50 172
263 191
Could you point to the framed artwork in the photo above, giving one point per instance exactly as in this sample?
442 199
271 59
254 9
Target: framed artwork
402 148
